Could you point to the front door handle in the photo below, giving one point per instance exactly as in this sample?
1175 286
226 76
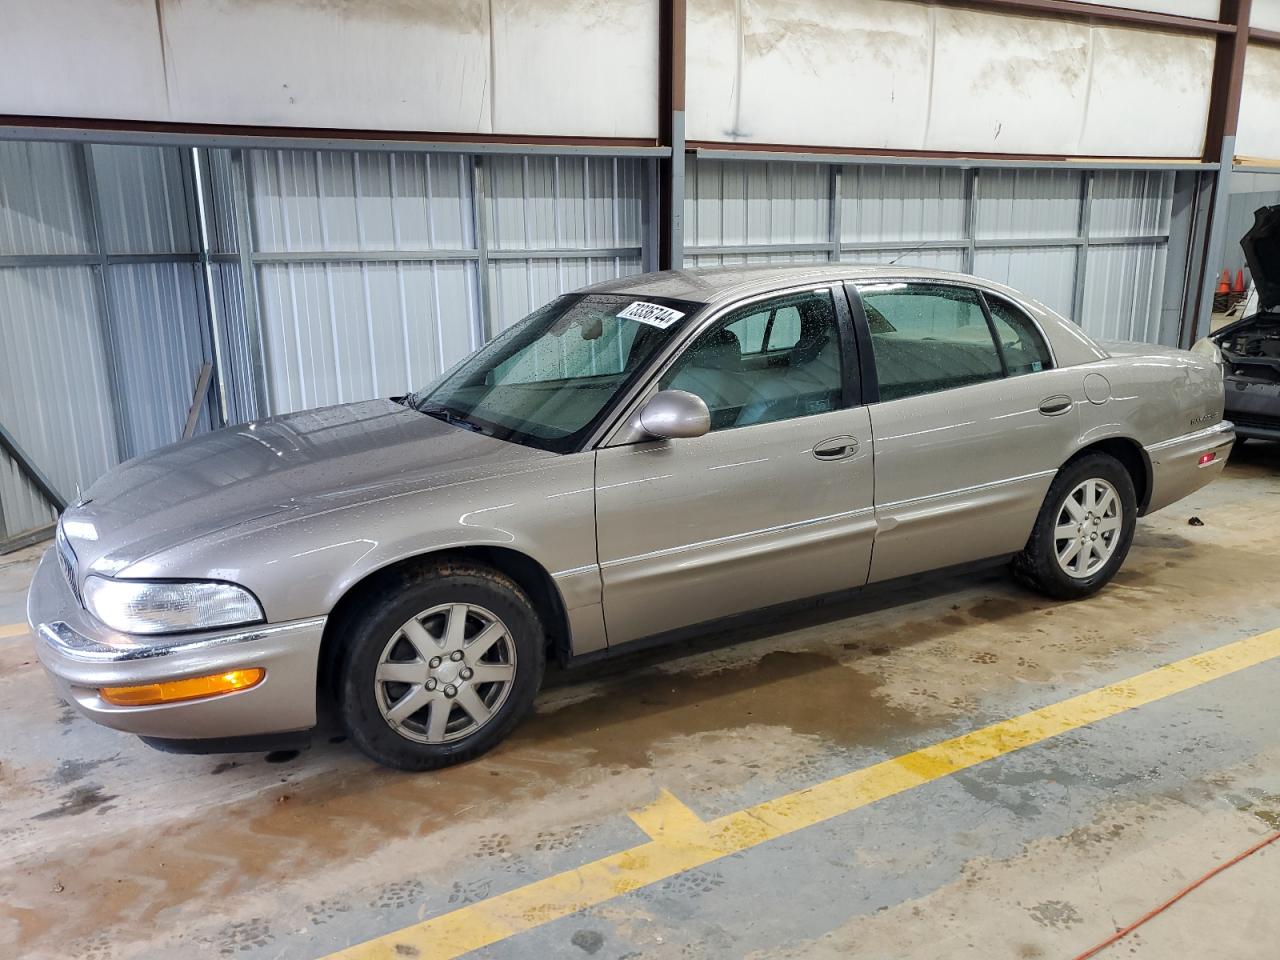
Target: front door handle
837 448
1055 406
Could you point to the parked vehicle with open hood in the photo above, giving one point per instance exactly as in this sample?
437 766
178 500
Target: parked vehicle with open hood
1248 350
631 460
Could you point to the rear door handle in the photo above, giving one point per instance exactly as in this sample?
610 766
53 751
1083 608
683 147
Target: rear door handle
1055 406
837 448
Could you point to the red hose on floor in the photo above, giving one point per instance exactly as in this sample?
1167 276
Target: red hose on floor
1119 934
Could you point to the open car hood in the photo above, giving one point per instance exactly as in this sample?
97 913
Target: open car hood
1261 246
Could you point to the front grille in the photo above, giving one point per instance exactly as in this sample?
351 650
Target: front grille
67 560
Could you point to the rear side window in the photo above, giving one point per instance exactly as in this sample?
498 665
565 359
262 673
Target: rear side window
928 337
1024 348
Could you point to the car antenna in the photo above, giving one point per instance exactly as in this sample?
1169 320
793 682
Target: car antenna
905 252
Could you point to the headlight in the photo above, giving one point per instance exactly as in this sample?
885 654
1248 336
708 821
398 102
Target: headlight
1207 348
152 606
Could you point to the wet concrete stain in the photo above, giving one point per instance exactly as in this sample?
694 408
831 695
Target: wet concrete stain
804 691
282 756
71 771
75 802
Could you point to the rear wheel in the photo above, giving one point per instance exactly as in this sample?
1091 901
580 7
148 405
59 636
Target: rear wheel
439 666
1084 529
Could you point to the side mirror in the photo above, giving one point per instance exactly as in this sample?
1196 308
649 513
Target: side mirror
672 414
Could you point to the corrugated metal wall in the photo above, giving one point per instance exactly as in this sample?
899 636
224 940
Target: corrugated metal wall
369 265
102 311
1092 245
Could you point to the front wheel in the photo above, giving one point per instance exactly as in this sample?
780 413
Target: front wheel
439 666
1083 531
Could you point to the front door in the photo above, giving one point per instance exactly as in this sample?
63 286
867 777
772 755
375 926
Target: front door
972 424
773 505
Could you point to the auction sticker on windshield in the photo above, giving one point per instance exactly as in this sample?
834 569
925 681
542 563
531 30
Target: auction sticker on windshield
653 314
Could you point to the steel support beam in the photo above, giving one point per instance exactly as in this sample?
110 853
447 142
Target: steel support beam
671 80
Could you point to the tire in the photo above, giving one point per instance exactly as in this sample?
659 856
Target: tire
1047 563
395 681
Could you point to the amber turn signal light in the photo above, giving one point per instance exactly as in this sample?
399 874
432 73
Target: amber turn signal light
191 688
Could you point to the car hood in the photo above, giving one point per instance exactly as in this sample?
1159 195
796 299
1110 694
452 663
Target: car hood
1261 246
316 459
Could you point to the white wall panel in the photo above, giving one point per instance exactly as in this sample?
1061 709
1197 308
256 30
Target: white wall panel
588 67
108 55
1259 130
1265 14
1148 94
897 75
585 67
1204 9
142 200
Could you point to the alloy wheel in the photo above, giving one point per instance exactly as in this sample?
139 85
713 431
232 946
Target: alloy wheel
1087 528
445 673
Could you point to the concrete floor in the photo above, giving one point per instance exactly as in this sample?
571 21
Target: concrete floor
109 850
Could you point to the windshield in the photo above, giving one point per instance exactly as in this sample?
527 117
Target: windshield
547 381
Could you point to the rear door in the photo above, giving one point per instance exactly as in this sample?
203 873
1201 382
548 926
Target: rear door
971 425
773 505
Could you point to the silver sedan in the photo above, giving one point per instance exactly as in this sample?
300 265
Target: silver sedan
632 460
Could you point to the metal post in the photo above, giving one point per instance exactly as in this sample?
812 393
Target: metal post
89 184
1082 251
240 184
200 175
837 203
480 209
971 218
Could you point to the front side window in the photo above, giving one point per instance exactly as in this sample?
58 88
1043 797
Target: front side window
773 360
547 381
1024 348
928 337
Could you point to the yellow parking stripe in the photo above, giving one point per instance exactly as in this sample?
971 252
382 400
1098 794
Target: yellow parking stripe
13 630
681 841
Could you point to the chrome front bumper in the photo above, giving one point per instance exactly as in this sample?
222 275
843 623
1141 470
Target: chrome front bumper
1176 470
81 655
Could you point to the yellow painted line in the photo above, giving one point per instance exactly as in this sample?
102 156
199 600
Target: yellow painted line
681 841
13 630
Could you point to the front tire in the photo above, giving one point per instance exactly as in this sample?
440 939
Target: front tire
1084 529
438 666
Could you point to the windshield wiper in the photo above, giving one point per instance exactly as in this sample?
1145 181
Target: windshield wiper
448 416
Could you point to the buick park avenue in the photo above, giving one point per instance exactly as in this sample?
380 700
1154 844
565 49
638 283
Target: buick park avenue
632 460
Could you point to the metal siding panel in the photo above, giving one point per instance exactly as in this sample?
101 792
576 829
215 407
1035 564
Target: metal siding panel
521 286
1045 273
342 332
56 400
739 202
1131 203
156 329
928 258
22 506
902 203
1124 290
42 208
142 200
1027 204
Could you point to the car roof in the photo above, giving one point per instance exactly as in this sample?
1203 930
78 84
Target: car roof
727 283
1070 344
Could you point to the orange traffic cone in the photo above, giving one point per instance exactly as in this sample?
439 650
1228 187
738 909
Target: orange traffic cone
1238 286
1224 285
